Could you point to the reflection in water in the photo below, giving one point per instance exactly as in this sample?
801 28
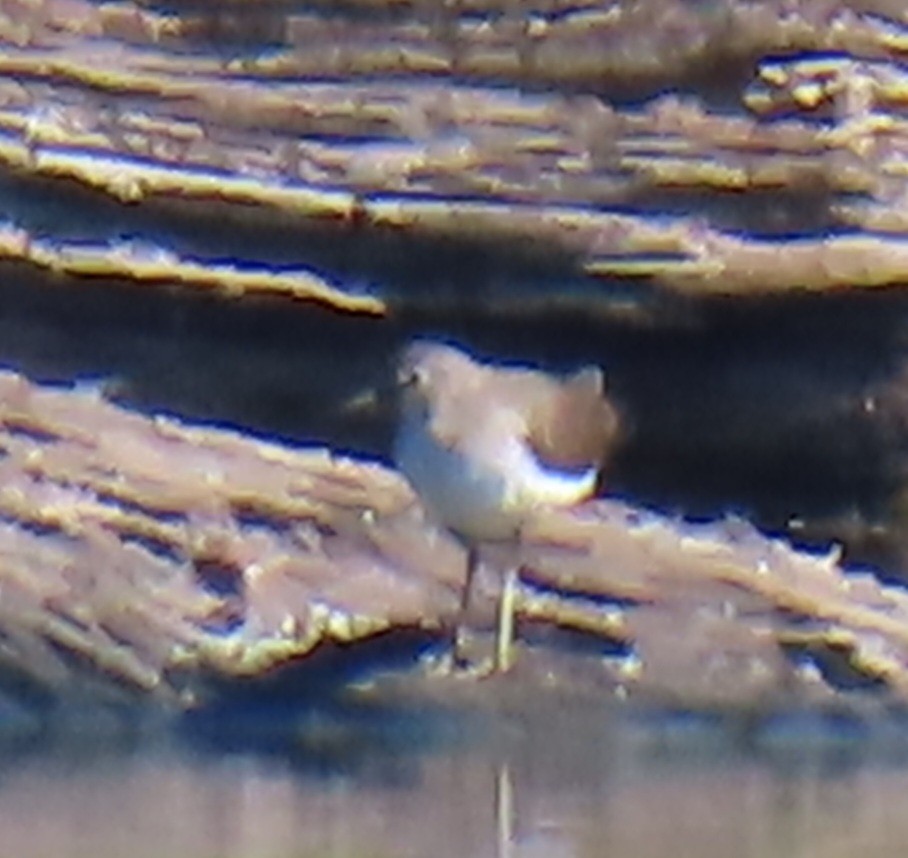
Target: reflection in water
570 787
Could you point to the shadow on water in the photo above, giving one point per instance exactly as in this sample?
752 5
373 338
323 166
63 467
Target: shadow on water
324 717
376 777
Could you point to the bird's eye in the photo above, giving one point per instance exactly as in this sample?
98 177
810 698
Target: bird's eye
412 377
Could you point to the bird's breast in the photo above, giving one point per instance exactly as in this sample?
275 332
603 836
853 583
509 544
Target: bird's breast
484 489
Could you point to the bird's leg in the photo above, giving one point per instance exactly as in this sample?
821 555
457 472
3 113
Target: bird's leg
460 657
507 610
503 659
504 638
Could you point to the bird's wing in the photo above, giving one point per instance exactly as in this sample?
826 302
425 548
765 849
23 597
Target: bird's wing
575 426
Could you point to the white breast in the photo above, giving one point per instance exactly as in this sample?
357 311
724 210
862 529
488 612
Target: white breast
530 483
485 488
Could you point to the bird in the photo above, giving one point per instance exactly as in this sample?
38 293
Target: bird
484 446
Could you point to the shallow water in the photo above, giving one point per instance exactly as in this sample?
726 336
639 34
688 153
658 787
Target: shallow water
573 785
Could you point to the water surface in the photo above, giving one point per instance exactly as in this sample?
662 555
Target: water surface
568 784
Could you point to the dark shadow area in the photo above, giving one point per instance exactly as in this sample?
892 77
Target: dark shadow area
320 718
779 409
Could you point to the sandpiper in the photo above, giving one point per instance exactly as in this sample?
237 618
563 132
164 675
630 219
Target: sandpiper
485 445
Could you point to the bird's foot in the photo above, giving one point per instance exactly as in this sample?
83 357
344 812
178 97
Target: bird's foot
454 662
471 655
464 656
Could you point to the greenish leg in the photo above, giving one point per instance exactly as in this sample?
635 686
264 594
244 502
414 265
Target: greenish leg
504 641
